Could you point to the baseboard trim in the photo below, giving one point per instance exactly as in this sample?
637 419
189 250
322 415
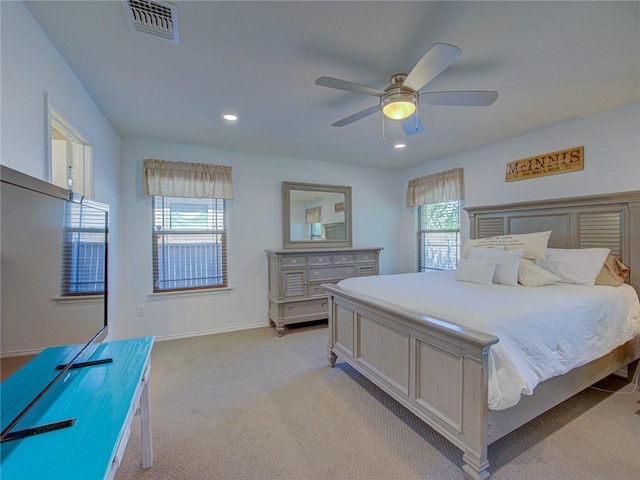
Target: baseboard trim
162 338
22 353
159 338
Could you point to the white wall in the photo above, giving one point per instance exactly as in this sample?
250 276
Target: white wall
255 224
30 66
611 142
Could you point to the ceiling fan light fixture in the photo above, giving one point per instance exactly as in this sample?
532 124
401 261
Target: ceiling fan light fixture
401 99
230 117
398 106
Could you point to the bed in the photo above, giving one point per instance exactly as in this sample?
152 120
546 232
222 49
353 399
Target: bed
441 369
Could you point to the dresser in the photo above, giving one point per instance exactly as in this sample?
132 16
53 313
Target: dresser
296 277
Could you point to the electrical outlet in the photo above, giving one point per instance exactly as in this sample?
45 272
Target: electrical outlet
141 310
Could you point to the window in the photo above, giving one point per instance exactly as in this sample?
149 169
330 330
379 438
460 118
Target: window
189 243
189 227
70 161
437 200
84 246
315 231
438 235
313 217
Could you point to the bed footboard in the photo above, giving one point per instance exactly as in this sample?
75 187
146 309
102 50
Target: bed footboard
435 369
439 371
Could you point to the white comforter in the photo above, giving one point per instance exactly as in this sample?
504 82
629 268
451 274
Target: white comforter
543 331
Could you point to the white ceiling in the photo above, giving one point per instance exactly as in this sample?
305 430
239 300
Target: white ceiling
549 61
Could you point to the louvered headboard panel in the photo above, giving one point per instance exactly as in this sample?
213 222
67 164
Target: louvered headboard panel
609 221
490 227
601 230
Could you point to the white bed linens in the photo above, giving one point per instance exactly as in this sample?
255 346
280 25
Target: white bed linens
543 331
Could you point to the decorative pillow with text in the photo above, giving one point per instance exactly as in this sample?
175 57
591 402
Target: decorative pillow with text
533 244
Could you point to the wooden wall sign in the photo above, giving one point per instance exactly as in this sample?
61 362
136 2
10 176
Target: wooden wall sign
553 163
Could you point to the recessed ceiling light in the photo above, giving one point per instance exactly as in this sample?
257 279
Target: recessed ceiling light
399 145
230 117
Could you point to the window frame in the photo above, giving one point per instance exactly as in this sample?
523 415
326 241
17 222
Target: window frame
72 243
68 153
220 205
421 233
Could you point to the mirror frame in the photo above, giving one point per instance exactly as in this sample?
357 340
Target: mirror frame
287 242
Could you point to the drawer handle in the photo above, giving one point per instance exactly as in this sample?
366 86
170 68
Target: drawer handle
316 273
344 259
290 309
324 304
294 261
347 270
320 260
317 289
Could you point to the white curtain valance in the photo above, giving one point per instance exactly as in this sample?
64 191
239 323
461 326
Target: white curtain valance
439 187
186 180
313 215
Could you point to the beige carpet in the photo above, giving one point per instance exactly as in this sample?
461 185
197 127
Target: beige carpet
250 405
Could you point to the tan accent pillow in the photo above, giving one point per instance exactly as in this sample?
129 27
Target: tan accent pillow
533 244
613 272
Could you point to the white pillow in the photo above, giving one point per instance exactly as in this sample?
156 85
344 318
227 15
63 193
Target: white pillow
508 261
533 244
575 265
530 275
475 271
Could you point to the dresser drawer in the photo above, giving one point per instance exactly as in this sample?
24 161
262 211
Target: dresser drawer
366 257
331 272
309 310
319 259
316 290
294 261
342 258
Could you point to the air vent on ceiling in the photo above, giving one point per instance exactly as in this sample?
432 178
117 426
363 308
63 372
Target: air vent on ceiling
153 17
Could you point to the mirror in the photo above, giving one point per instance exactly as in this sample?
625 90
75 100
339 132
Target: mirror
315 216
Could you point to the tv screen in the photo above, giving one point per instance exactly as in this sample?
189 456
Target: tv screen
53 275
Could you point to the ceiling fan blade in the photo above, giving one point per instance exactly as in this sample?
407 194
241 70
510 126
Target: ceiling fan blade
356 116
459 99
432 64
348 86
412 125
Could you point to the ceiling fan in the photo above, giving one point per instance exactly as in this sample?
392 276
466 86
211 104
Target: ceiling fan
399 101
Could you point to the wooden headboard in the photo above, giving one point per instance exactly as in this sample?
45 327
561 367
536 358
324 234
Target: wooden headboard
609 221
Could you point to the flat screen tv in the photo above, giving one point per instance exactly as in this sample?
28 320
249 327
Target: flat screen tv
53 290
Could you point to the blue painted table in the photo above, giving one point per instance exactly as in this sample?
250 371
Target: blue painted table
103 399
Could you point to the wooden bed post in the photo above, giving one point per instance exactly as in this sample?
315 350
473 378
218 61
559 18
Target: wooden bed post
475 411
632 370
331 356
634 239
